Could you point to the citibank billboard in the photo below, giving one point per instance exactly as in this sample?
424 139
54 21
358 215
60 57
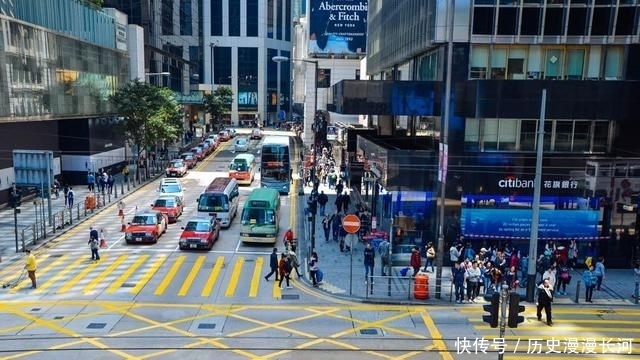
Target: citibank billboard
338 27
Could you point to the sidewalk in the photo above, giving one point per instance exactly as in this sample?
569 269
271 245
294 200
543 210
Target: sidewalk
344 275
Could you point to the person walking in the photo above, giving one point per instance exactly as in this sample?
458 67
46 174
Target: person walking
545 299
326 226
346 202
457 278
322 201
430 252
336 224
30 266
416 260
563 279
94 243
273 264
473 276
293 258
65 191
91 181
284 268
369 261
70 196
598 271
383 250
590 280
313 268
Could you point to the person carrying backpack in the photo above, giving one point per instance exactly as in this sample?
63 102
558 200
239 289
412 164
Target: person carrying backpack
70 196
94 243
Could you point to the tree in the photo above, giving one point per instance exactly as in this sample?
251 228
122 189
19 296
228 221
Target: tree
151 114
218 103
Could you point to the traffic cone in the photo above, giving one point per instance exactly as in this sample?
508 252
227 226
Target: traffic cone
120 212
123 227
103 243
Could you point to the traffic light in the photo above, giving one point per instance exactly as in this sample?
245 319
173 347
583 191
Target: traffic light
514 309
492 309
15 199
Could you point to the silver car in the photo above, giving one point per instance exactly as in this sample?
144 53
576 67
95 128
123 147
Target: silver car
241 144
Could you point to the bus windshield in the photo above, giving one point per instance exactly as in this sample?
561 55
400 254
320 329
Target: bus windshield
213 202
239 165
258 217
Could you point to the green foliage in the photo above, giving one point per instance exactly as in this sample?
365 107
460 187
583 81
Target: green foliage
151 114
218 103
97 3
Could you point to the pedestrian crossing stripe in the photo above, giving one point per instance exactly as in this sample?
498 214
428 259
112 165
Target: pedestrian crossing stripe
11 272
131 272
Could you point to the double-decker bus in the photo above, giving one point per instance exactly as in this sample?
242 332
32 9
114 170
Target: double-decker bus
242 168
275 163
260 217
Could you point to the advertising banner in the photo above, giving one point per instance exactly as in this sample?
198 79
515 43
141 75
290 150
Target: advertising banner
338 26
510 216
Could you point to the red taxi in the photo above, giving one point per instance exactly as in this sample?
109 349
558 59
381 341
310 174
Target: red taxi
224 136
256 134
199 234
177 168
189 159
146 227
206 149
170 205
197 153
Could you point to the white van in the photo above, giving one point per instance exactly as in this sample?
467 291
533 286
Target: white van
171 186
220 200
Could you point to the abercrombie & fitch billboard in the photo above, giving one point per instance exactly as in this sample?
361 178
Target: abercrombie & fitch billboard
338 26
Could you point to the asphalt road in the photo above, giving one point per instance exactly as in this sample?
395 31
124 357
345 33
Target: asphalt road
157 302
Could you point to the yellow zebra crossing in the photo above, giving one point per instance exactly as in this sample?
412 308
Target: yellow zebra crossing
184 275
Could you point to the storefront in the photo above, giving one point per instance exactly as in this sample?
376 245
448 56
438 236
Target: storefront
398 184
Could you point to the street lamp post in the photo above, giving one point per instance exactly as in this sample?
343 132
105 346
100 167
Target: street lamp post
212 45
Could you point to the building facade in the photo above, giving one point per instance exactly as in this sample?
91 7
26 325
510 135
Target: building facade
583 53
60 62
240 39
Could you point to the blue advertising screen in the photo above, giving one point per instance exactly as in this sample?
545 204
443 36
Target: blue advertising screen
510 216
338 26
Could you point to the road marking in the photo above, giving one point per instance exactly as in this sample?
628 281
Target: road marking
436 336
147 276
277 292
186 284
122 278
13 271
81 275
168 277
235 276
211 280
257 275
39 272
100 278
59 275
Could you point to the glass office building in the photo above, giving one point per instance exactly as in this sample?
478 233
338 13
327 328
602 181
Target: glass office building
55 85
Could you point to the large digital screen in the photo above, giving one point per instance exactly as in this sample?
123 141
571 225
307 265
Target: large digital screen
510 216
338 26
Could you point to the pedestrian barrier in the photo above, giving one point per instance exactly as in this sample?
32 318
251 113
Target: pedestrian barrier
421 286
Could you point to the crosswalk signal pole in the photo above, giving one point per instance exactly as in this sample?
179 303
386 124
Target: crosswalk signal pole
504 300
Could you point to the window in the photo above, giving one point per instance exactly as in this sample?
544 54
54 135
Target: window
577 21
553 21
216 17
279 20
498 63
601 136
166 14
324 78
186 21
528 129
530 21
553 64
575 64
270 21
222 65
515 64
601 17
507 134
613 63
490 134
582 136
479 62
471 134
234 18
507 20
252 17
483 20
626 15
563 137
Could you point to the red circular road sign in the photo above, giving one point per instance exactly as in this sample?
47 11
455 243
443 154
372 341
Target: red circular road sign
351 224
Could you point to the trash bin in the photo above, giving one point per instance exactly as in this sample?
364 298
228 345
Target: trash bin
90 202
421 286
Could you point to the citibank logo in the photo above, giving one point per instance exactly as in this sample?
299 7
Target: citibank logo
515 183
